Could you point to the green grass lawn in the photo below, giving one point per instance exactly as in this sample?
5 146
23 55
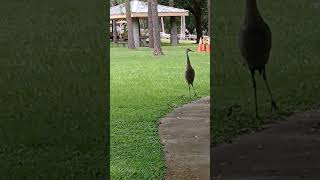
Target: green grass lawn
143 89
293 69
53 61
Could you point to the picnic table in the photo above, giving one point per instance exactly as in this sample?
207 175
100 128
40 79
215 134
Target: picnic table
124 42
143 41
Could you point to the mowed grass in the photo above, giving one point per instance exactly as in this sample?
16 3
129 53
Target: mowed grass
293 69
143 89
53 61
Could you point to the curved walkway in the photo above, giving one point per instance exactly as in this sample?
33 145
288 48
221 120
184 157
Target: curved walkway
185 135
286 150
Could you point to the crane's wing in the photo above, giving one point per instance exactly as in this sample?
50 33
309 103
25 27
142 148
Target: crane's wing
193 74
189 75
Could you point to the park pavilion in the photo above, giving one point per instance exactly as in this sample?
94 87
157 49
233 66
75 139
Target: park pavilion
139 11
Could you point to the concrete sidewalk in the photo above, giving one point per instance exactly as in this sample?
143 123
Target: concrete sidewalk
185 134
287 150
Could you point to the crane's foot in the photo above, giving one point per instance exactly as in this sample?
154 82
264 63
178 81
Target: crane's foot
257 116
274 106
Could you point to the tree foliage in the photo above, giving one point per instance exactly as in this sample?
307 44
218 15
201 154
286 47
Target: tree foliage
198 18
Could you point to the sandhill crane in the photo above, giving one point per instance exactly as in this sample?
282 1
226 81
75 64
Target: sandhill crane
255 46
189 73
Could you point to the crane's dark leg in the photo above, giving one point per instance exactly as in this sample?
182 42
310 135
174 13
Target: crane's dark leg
194 90
189 91
273 103
255 90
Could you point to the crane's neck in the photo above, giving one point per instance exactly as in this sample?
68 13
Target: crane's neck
252 14
188 60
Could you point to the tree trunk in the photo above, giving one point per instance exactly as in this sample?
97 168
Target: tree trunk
157 50
129 26
173 28
114 28
199 28
173 31
196 10
150 26
209 18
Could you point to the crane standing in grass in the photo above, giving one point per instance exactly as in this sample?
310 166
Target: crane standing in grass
189 73
255 46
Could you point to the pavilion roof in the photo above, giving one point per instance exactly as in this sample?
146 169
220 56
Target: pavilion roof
140 9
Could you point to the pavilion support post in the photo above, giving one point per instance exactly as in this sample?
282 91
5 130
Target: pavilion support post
136 32
114 31
120 27
139 27
180 27
162 25
183 27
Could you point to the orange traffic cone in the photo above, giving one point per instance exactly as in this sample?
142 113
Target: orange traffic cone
203 45
199 46
208 46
